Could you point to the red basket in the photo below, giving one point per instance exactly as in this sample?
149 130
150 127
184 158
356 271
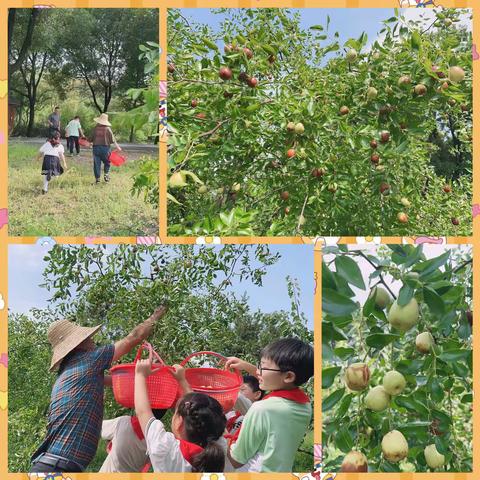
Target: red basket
83 142
116 158
222 385
162 386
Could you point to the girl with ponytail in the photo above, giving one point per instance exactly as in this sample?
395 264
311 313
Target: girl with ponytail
196 442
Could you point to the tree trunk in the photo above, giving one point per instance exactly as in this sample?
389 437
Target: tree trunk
130 138
27 42
31 115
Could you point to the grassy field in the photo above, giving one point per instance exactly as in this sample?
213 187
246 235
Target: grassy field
74 205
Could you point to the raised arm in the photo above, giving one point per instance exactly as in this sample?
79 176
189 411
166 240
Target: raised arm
143 410
138 334
179 374
238 364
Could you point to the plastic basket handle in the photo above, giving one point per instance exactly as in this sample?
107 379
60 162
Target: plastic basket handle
151 353
214 354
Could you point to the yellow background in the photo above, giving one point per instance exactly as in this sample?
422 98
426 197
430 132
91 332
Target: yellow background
5 240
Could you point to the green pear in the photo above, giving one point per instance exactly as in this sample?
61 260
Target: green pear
382 298
299 128
424 342
394 382
433 458
394 446
202 189
377 399
354 461
357 376
177 180
403 318
351 55
371 93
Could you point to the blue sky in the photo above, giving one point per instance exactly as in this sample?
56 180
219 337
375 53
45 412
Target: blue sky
349 22
25 267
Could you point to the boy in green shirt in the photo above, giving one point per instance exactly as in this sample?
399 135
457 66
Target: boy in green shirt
274 427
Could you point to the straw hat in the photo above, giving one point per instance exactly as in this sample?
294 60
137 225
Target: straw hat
64 336
103 120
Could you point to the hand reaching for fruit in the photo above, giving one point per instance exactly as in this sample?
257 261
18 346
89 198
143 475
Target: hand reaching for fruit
238 364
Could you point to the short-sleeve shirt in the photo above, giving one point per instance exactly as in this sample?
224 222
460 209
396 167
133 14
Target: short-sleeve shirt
73 128
48 149
274 429
76 407
163 448
54 119
128 453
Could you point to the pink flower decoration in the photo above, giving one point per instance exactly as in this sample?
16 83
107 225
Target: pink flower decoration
475 54
475 209
4 360
435 240
3 217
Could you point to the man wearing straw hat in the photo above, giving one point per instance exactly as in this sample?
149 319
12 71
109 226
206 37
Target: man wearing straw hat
76 407
101 138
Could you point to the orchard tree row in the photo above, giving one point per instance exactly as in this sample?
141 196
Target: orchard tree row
278 130
397 370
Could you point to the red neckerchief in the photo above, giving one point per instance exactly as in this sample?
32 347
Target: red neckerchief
189 450
137 428
295 395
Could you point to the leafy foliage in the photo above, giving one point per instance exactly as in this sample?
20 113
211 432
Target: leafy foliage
235 135
435 407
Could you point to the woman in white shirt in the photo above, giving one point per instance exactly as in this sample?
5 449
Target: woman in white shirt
52 153
195 442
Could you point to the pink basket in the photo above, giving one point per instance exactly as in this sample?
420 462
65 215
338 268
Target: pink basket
223 385
162 386
83 142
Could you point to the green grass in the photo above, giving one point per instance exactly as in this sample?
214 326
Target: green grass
74 205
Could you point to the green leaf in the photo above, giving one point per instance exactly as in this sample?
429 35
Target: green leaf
429 266
349 270
328 280
328 376
336 304
434 301
343 439
380 340
405 295
211 45
344 352
416 40
343 407
454 355
332 399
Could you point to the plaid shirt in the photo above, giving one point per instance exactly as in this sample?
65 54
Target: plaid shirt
76 407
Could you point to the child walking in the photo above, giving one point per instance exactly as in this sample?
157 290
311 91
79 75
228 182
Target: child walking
53 156
198 424
274 427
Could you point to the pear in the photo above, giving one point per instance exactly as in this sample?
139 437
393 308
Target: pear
433 458
456 74
403 318
354 461
351 55
394 446
382 298
371 93
394 382
236 187
357 376
424 342
290 126
377 399
405 202
177 180
299 128
202 189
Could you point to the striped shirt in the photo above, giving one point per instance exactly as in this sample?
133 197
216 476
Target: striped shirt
76 408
